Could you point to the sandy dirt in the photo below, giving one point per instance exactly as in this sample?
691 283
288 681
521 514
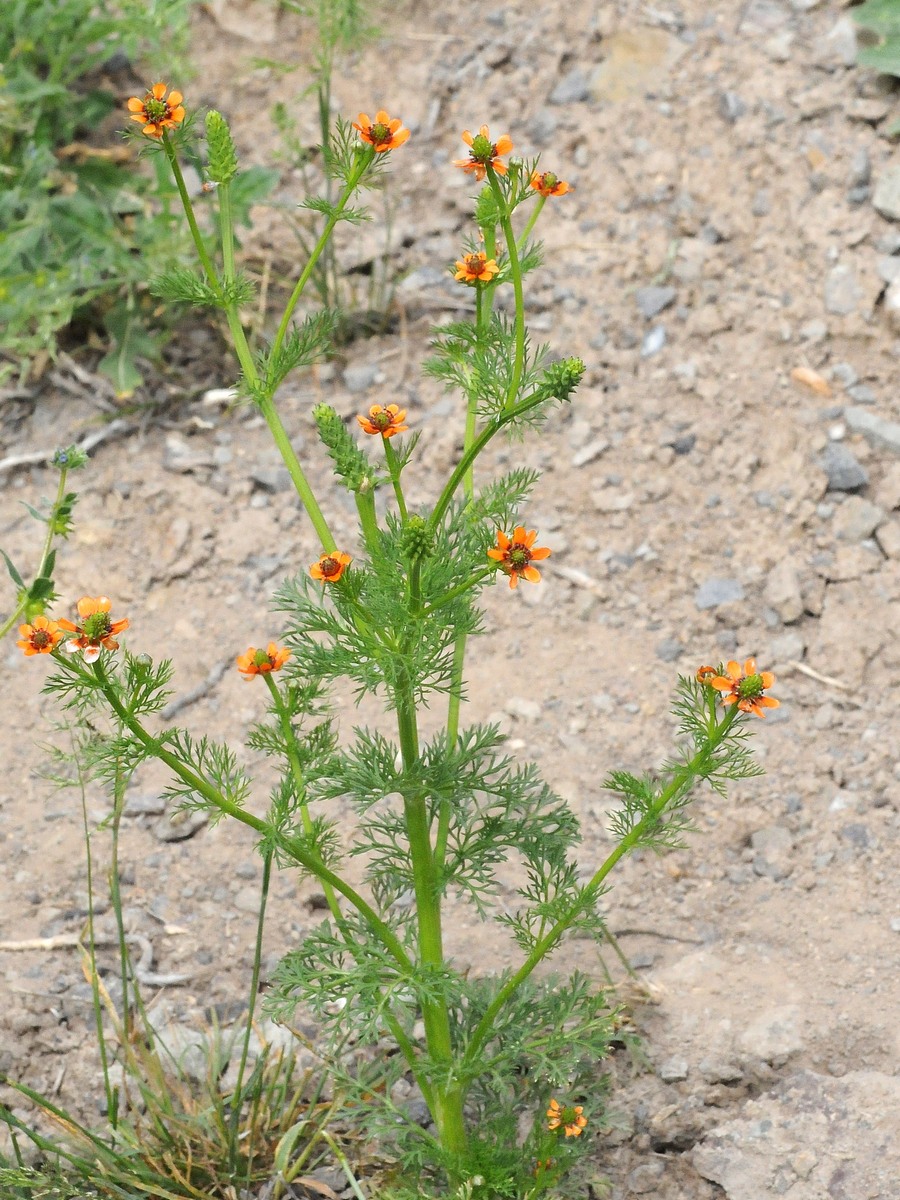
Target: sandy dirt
701 504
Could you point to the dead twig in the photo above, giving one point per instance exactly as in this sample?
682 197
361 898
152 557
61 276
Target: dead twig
828 680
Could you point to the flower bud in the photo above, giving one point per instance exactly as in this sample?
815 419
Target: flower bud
223 163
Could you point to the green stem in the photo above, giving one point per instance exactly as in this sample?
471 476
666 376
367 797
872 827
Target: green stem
689 771
202 252
365 506
532 221
237 1095
447 1107
115 895
92 954
516 270
469 456
293 756
291 846
457 591
363 161
393 466
45 553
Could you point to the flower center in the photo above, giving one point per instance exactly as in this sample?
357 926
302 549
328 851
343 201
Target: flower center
261 659
519 556
382 420
329 567
155 109
750 687
549 180
97 626
40 638
380 132
483 149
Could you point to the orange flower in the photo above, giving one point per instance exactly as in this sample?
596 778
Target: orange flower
549 184
706 674
570 1118
745 687
40 638
476 268
383 133
330 566
484 153
96 629
260 662
516 555
157 112
386 421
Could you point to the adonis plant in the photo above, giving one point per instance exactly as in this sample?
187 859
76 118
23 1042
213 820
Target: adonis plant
507 1065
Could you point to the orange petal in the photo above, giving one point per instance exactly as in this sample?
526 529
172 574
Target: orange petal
733 670
513 580
721 684
159 90
485 132
499 167
67 625
540 552
135 105
467 137
118 626
399 138
767 679
175 98
768 702
750 666
497 555
178 114
504 145
532 574
382 118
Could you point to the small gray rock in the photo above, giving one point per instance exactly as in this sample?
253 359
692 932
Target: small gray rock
856 519
673 1070
272 479
590 452
731 107
814 331
573 88
714 592
843 295
886 199
876 430
857 834
646 1178
717 1068
144 805
845 474
669 649
862 394
774 1036
844 373
860 168
359 377
652 300
838 47
180 825
783 592
773 846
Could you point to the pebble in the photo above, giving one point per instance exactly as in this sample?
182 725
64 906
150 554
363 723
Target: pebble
783 591
772 846
573 88
652 300
892 305
246 900
646 1178
590 453
669 649
877 430
862 394
653 341
673 1070
359 377
774 1036
845 374
845 474
731 107
886 198
860 168
838 47
843 295
814 331
524 709
856 519
887 535
144 805
179 825
857 834
714 592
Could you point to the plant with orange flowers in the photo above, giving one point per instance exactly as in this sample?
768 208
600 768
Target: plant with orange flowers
393 611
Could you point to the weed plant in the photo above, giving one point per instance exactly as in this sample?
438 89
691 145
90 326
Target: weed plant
509 1066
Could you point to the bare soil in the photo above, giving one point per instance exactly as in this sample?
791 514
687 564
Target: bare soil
719 151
